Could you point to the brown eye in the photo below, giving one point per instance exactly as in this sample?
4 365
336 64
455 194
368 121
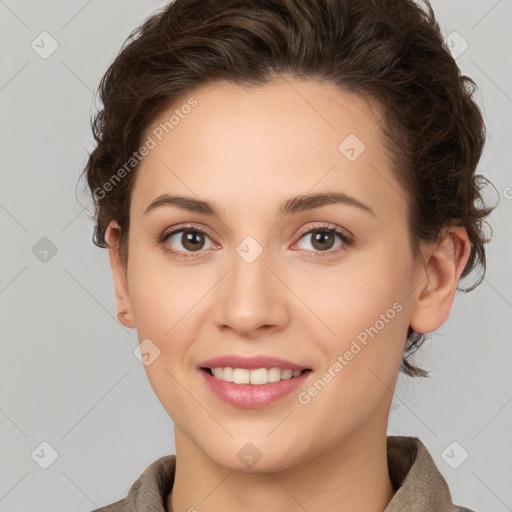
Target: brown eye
192 240
183 241
322 240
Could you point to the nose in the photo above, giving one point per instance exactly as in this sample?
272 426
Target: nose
251 299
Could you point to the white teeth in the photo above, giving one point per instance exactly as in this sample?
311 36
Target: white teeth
256 377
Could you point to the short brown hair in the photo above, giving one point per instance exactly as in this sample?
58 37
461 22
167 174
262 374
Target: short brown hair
389 51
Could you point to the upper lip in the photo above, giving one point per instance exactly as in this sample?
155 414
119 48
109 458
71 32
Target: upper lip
251 363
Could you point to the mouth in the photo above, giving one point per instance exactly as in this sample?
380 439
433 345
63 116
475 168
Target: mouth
255 377
255 388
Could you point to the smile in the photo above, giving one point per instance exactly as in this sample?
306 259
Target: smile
256 377
257 389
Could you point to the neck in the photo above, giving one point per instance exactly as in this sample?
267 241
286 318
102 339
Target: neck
352 476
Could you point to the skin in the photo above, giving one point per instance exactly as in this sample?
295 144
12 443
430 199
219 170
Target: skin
247 151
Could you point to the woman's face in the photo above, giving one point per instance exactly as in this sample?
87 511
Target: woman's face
264 277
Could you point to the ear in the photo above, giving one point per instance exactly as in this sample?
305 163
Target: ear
438 280
119 273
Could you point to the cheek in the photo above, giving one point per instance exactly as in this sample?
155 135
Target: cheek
361 360
354 296
159 294
364 308
168 305
162 309
152 302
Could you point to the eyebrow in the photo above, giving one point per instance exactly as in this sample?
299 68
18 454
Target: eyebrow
293 205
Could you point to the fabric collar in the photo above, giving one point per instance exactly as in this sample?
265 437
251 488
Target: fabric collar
418 484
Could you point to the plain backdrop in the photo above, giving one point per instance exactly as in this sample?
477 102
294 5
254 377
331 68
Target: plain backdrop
73 395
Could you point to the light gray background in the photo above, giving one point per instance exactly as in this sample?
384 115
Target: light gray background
68 373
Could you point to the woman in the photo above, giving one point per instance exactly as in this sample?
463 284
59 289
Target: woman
287 191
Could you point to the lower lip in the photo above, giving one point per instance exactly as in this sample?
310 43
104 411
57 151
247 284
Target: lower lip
250 396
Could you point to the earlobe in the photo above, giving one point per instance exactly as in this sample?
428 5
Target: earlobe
119 274
438 279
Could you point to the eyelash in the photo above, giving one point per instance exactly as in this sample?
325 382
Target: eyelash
327 228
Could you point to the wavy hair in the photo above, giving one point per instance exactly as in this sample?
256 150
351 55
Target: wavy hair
389 51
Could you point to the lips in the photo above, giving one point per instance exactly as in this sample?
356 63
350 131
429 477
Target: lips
252 363
248 396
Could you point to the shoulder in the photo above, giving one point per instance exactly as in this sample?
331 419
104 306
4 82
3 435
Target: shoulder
118 506
150 490
418 483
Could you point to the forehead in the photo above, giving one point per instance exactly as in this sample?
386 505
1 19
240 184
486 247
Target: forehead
248 145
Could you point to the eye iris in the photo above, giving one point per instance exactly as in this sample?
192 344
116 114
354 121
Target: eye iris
321 237
189 240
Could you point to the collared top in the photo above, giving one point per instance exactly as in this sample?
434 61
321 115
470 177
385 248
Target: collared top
418 484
